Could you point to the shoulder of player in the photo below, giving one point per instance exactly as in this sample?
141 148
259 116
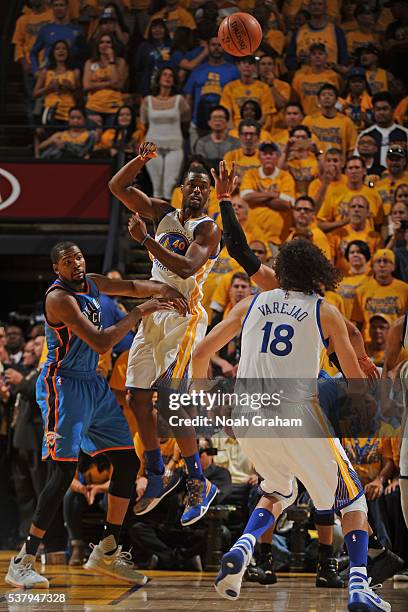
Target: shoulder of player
208 231
59 301
160 208
329 313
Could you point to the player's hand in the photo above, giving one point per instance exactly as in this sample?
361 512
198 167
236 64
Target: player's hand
225 182
369 368
153 305
391 487
373 490
176 298
147 150
253 479
137 228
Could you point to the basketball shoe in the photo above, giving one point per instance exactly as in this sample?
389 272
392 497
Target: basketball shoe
362 597
22 573
117 564
158 486
200 494
233 567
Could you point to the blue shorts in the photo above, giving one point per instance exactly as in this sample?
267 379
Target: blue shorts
79 412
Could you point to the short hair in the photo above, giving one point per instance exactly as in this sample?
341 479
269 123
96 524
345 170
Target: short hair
360 197
59 248
334 151
354 157
297 104
383 96
240 276
363 246
249 123
199 169
305 198
304 128
318 47
258 109
219 107
328 87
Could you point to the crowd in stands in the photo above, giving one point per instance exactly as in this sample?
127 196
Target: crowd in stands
316 122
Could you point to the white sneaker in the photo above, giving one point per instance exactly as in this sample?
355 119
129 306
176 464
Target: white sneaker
118 565
23 574
362 596
233 567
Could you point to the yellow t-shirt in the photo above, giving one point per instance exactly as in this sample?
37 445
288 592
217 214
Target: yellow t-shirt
242 162
342 236
367 455
335 300
401 111
235 93
335 187
280 137
307 85
347 289
304 171
373 298
104 100
26 30
74 137
319 238
335 205
377 80
327 35
338 131
275 224
356 39
276 39
64 100
174 19
291 7
386 188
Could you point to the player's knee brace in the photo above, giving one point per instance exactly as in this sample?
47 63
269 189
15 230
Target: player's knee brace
358 505
125 468
60 476
323 519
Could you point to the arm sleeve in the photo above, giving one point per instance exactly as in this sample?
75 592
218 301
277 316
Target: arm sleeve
342 53
235 240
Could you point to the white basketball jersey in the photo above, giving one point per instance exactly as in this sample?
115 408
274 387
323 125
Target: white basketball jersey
405 332
176 237
282 336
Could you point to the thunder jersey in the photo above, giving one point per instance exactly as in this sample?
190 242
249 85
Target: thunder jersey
66 351
175 237
282 337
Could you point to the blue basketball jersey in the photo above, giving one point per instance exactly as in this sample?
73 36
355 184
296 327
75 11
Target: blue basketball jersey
65 350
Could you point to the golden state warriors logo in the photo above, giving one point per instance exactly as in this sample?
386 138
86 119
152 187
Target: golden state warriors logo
175 242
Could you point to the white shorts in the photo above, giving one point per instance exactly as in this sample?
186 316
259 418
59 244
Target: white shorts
320 463
162 348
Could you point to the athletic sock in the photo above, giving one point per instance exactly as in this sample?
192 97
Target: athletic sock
375 548
110 538
194 467
357 547
259 521
30 546
154 461
326 551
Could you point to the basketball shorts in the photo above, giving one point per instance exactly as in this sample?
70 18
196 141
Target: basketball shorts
162 348
79 412
318 461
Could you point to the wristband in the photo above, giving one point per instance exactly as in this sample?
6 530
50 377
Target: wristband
144 239
224 196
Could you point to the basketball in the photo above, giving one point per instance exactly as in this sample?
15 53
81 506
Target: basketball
240 34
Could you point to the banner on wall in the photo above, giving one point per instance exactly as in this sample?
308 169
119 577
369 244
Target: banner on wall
54 191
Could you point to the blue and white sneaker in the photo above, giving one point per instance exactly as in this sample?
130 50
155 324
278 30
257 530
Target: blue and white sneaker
158 486
362 598
200 494
233 566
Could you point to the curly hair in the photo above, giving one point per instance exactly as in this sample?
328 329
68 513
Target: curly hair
302 266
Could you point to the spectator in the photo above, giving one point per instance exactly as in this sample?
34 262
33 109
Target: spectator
358 256
395 40
270 193
396 174
401 255
104 80
378 79
124 136
59 83
308 84
397 220
251 109
292 117
305 225
367 149
190 48
348 21
281 90
317 30
111 22
331 128
247 155
204 87
364 33
401 112
357 103
75 142
334 212
331 180
215 145
220 476
302 158
247 87
358 228
385 131
378 331
151 55
382 294
175 16
14 343
59 29
164 114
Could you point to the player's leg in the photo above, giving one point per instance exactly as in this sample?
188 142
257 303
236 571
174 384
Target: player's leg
326 574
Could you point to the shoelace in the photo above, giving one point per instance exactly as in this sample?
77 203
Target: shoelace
195 489
124 558
27 569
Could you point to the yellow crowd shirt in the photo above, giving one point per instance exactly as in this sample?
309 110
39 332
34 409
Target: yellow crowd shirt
26 30
242 162
373 298
335 187
319 238
401 111
276 39
292 7
335 205
62 101
104 100
377 79
386 188
367 456
307 85
235 93
275 224
327 35
338 131
347 290
304 171
174 19
356 39
342 236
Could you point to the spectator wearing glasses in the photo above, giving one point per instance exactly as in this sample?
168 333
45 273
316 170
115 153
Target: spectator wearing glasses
396 174
305 226
302 158
218 142
247 155
251 109
367 149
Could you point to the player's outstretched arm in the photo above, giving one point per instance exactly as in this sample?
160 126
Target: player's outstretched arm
357 342
335 329
393 345
218 337
134 199
63 308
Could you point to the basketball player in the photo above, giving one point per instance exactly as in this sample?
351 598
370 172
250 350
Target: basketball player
284 330
185 246
397 338
79 410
